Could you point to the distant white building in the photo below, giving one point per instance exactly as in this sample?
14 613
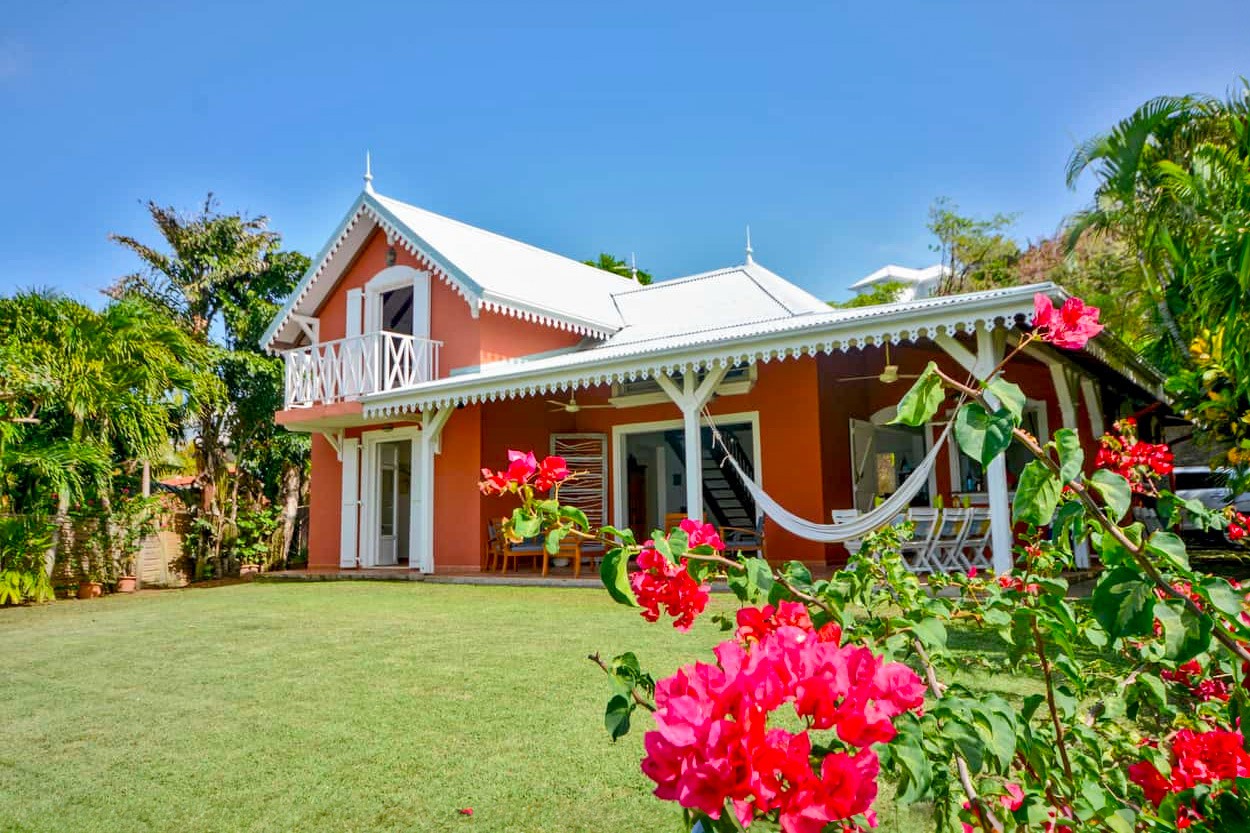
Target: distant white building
917 283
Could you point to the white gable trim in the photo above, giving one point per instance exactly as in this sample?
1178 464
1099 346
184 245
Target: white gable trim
365 214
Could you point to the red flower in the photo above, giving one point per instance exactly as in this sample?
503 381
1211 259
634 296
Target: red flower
493 482
1197 758
713 745
659 583
1068 327
699 534
551 470
521 466
1141 463
465 811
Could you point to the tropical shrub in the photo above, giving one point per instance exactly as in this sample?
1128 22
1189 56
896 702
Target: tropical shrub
24 542
823 687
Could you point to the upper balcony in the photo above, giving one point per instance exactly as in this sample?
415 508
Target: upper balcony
354 367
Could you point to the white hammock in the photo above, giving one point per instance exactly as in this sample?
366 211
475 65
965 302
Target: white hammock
880 516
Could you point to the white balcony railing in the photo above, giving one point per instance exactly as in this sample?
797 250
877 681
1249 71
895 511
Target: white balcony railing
349 368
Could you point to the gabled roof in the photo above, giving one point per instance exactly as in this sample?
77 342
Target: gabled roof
491 271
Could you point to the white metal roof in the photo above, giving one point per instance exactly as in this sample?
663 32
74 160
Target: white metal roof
902 274
761 340
709 301
516 273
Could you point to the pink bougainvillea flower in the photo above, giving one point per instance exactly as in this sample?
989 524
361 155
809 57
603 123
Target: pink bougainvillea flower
660 584
1070 326
712 743
698 534
493 482
521 465
1141 463
551 470
1197 758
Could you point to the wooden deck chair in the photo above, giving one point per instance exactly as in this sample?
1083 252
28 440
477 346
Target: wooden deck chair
739 539
506 550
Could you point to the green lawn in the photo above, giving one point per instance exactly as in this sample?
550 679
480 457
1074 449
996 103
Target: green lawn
348 706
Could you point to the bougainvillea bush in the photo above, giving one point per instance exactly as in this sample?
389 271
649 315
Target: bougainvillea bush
822 688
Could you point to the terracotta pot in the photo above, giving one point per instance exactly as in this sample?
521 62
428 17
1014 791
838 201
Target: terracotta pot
126 584
90 589
249 569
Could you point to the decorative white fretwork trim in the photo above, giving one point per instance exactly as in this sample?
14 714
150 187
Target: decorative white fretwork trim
397 234
526 382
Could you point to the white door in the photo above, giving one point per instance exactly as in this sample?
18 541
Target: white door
863 471
388 504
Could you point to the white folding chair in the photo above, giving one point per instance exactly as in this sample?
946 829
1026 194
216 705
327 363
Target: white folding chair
917 553
841 516
977 540
948 547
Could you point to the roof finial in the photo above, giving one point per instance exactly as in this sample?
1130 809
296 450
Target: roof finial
750 251
368 175
633 266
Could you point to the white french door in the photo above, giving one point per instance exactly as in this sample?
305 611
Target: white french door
387 492
388 504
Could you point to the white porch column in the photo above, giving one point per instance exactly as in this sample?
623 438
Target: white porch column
691 399
989 354
1093 406
349 522
421 526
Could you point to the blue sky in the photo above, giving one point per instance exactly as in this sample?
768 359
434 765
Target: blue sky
659 128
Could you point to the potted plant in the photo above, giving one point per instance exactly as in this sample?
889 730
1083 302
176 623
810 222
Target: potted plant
134 519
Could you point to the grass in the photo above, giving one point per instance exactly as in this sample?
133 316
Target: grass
352 706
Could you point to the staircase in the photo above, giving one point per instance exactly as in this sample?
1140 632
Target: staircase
726 500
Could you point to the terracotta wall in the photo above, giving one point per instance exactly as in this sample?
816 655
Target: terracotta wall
325 505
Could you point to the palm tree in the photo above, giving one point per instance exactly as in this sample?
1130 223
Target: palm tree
84 389
617 266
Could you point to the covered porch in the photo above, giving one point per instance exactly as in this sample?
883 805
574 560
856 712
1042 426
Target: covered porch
807 423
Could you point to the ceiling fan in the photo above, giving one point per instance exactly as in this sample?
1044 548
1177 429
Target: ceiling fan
571 407
887 376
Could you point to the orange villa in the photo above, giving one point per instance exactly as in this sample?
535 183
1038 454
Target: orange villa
419 349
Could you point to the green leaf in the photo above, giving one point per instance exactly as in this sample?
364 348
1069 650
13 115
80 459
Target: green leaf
678 543
554 537
931 632
797 574
1037 494
1169 547
626 535
908 751
753 583
981 434
1071 456
1223 597
577 516
1008 395
525 525
920 403
1115 492
614 572
1185 634
616 717
1123 603
1070 519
